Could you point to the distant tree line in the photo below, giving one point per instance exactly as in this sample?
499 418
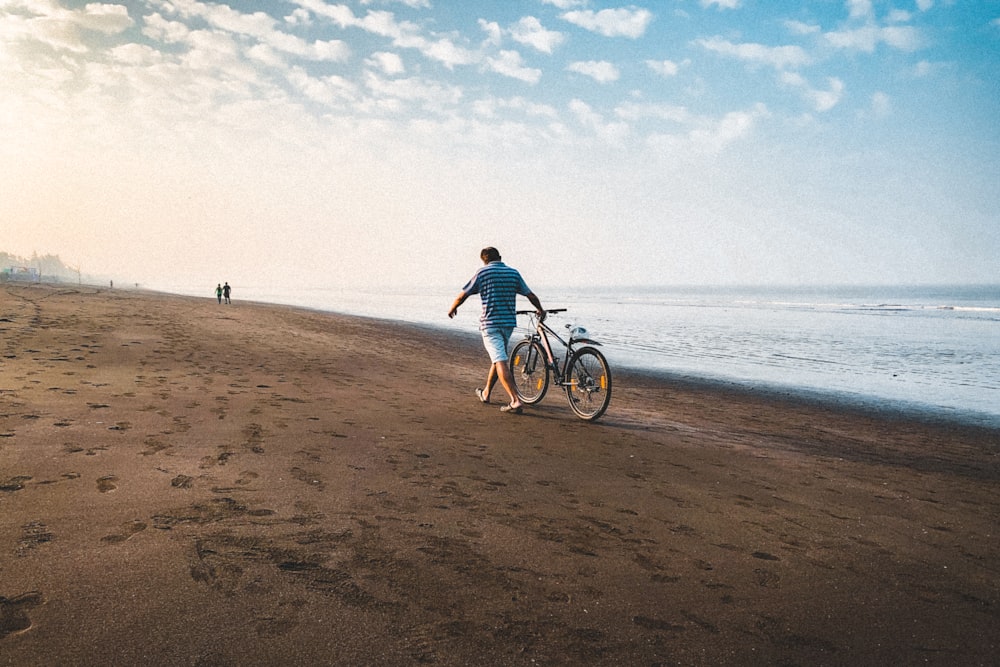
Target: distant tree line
48 268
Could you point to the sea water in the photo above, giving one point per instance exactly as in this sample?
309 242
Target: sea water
929 348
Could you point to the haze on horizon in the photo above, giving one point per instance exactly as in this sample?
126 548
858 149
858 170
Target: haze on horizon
374 142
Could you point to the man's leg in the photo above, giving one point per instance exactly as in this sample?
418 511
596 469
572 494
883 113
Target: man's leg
491 380
507 380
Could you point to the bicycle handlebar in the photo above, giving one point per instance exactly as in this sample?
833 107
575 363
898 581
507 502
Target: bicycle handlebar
532 312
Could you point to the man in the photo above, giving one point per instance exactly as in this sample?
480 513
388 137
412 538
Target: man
497 286
226 291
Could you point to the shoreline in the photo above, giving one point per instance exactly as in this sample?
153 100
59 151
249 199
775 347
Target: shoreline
184 483
864 404
861 403
843 398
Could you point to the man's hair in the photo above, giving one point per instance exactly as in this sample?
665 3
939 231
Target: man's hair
490 254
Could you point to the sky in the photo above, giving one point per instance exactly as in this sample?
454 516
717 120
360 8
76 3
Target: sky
311 143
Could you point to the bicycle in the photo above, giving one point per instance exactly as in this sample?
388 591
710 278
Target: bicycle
584 373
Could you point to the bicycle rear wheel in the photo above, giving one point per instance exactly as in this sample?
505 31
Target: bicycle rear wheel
531 374
588 385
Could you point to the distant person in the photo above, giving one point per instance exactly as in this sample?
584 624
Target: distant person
226 289
497 286
218 292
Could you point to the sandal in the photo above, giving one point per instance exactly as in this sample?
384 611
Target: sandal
514 410
482 396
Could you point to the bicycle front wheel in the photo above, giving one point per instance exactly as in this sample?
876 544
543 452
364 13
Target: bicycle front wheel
531 374
588 383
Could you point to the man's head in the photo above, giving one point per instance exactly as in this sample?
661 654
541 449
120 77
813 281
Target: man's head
490 254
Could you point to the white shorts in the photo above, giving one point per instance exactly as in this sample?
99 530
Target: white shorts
495 340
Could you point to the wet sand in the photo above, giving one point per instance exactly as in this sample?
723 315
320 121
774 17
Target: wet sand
187 483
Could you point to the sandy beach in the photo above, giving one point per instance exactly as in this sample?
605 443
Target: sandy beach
188 483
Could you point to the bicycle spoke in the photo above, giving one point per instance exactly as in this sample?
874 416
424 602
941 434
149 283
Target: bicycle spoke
588 383
531 375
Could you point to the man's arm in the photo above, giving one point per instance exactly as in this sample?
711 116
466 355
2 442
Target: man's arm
459 300
537 304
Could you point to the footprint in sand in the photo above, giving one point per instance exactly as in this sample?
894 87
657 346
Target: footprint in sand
247 477
13 612
107 483
14 483
182 482
33 534
128 530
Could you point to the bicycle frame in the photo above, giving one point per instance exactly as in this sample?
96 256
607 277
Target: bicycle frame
583 374
541 333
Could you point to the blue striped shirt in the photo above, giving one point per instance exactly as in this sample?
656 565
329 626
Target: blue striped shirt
497 286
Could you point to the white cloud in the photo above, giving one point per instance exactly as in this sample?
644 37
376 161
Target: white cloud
264 54
794 79
631 22
388 63
867 38
714 136
299 17
342 15
881 104
565 4
58 35
62 29
632 112
403 34
904 38
327 91
432 95
160 29
494 107
779 57
821 100
864 33
494 33
663 67
108 19
446 52
610 132
722 4
136 54
926 68
800 28
858 39
209 50
824 100
859 9
219 16
415 4
511 64
599 70
529 31
329 50
259 26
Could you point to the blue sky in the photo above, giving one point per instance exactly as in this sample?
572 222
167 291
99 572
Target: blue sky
309 142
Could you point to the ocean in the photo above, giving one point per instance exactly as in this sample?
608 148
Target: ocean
931 349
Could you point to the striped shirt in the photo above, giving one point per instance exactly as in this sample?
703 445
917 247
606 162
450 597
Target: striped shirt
497 286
